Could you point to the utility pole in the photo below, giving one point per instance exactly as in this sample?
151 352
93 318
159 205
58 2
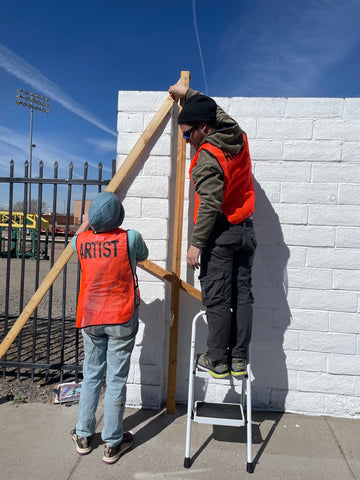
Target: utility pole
34 102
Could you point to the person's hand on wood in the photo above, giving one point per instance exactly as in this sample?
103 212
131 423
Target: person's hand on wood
178 91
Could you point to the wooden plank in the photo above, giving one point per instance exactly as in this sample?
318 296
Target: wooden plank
140 145
163 274
190 289
176 263
66 254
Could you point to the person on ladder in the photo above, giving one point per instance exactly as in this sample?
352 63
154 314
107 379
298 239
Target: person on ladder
223 241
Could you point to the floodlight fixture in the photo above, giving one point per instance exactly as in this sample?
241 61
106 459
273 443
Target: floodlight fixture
33 101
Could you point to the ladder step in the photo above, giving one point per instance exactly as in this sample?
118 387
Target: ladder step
229 414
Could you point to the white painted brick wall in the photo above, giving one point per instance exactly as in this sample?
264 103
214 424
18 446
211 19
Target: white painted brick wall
306 335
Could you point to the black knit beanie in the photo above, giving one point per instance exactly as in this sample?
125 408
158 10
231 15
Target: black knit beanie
199 108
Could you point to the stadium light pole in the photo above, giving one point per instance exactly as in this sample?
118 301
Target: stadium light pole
34 102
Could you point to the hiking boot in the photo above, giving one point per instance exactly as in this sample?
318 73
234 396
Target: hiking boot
238 367
83 444
216 369
112 454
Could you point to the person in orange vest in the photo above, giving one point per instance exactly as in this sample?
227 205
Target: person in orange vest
107 315
223 241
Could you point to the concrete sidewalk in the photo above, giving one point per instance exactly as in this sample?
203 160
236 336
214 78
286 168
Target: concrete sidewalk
35 444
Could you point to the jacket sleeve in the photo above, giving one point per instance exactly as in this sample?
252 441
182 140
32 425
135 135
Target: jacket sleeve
73 243
142 251
138 250
209 180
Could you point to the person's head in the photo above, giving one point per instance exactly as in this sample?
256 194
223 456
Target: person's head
197 119
106 212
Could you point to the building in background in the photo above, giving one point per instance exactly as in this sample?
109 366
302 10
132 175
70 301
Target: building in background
77 210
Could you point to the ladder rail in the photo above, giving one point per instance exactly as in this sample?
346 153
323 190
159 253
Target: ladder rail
191 388
250 465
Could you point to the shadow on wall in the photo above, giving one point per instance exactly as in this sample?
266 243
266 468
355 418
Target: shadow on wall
271 318
151 343
271 315
271 311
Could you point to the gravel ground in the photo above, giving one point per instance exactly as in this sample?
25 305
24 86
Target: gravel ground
29 391
26 390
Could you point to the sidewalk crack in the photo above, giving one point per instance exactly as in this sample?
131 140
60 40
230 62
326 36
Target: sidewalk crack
340 449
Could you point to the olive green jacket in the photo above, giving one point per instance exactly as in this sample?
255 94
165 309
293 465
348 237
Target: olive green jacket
208 176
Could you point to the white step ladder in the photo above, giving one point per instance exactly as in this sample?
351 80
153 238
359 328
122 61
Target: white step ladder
228 414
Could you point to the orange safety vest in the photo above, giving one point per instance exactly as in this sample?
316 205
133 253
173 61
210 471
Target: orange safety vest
107 290
238 194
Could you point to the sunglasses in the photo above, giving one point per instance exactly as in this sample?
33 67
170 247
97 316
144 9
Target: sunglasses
188 133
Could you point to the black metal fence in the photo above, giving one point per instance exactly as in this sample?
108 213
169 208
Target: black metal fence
48 345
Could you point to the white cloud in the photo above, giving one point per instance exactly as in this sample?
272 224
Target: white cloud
18 67
20 152
14 139
103 146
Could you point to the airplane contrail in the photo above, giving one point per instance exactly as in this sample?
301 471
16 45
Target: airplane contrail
47 151
18 67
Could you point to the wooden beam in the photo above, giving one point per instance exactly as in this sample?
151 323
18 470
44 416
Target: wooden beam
176 262
140 145
66 254
163 274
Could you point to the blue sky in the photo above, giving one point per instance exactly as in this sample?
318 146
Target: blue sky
81 52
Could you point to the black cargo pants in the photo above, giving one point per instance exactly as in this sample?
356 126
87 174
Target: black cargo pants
225 277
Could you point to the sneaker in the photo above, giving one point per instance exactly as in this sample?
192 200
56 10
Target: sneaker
238 367
83 444
112 454
216 370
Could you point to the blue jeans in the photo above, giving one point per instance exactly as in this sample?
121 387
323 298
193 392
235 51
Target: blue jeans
107 347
